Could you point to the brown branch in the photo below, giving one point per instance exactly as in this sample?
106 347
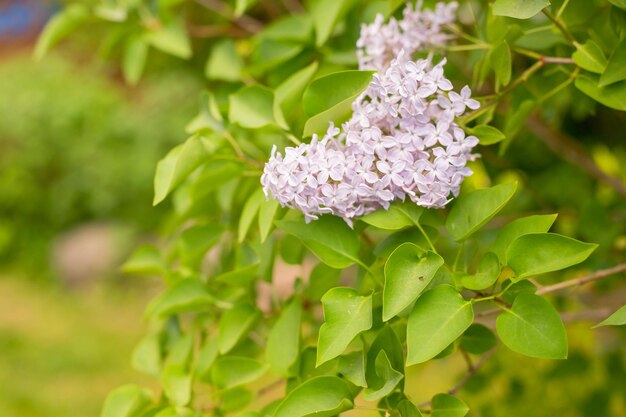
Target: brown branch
603 273
587 315
468 375
571 150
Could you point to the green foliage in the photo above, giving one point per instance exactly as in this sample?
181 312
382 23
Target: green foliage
402 286
346 314
472 210
538 253
519 9
616 319
438 318
533 327
408 272
329 238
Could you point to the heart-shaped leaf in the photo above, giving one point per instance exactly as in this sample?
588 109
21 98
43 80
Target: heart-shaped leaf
346 314
439 317
408 272
533 328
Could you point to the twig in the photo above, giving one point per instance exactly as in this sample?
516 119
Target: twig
270 387
468 375
568 148
557 22
583 280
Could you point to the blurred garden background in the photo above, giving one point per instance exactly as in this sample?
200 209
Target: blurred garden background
78 150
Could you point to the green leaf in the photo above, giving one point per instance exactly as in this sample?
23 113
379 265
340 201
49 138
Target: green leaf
235 325
135 56
398 216
330 98
329 238
322 279
500 59
619 3
292 27
322 396
538 253
326 15
185 296
533 328
330 90
407 409
252 107
172 412
487 135
486 275
520 227
283 342
346 314
177 165
224 63
146 356
478 339
59 27
445 405
176 381
267 212
239 276
613 96
474 209
408 272
206 358
233 371
519 9
289 93
616 319
242 5
389 376
171 38
235 399
126 401
352 368
439 317
616 68
386 341
589 56
145 260
249 212
195 242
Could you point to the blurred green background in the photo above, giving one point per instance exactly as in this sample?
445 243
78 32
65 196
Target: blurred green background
78 150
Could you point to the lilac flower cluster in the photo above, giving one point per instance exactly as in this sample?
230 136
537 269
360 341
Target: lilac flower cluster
401 141
418 30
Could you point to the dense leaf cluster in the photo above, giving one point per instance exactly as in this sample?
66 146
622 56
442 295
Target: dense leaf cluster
233 334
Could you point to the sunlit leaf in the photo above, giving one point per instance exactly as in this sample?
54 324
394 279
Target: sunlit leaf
329 238
519 9
438 318
616 319
408 272
533 328
538 253
322 396
346 314
472 210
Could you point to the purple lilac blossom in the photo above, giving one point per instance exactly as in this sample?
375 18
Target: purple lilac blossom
401 142
418 30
